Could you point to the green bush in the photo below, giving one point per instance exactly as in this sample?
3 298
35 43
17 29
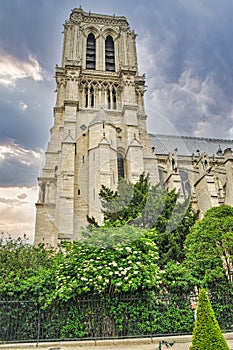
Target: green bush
207 334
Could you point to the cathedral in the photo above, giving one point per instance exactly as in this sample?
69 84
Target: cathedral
100 134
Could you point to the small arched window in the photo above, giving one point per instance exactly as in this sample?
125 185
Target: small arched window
90 53
109 54
120 166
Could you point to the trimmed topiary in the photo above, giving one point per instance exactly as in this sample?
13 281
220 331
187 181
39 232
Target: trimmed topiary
207 334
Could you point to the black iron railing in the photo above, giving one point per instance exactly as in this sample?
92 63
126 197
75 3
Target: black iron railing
104 318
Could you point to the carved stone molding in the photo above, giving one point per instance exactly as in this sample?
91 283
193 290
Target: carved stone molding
71 103
58 109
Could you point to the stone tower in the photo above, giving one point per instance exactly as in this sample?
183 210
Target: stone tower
99 132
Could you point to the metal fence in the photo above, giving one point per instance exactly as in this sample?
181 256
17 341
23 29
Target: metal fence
104 318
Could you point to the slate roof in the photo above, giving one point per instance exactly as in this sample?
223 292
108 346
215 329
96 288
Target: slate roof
188 145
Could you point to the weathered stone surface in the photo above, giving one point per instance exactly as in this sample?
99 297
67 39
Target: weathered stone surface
99 114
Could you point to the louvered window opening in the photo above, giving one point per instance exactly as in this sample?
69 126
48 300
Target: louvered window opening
109 54
91 52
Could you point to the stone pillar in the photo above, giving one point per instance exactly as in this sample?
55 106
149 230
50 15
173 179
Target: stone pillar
229 176
206 193
65 195
102 168
134 161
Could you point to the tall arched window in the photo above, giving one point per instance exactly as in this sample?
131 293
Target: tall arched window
114 99
120 165
109 54
86 97
90 53
109 98
92 97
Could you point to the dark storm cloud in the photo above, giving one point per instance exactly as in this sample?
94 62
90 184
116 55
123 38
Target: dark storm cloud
184 47
19 166
14 173
26 113
188 66
30 27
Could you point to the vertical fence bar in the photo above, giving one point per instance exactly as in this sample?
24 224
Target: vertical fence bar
38 328
103 318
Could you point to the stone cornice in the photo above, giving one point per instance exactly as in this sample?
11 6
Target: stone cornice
71 103
130 107
116 113
47 178
79 15
99 73
39 204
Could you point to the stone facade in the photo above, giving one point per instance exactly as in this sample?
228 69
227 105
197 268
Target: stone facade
100 133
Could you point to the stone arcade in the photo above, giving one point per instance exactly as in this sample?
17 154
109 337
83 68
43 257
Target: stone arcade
100 134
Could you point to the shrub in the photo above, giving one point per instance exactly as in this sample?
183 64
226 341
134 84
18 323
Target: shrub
207 334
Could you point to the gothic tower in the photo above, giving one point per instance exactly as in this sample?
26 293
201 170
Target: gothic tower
99 131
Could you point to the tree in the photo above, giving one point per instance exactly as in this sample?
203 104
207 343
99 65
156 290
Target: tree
207 333
178 279
172 221
125 204
107 261
26 271
150 207
209 246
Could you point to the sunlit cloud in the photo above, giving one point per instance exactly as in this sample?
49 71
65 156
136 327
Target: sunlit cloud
22 154
17 211
23 106
12 69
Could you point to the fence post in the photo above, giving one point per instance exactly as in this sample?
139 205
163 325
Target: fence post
38 328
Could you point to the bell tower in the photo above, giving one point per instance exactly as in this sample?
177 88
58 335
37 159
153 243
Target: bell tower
99 131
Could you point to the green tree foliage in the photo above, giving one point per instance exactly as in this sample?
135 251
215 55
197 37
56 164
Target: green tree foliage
25 271
150 208
125 204
209 246
207 333
108 260
172 221
178 279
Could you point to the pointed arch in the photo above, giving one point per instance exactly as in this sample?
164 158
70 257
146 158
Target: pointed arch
109 98
91 52
92 97
114 99
86 97
120 165
109 54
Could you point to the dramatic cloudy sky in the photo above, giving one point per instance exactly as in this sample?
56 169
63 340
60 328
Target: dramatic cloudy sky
184 48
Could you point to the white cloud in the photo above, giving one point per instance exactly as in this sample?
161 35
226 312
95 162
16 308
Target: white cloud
22 196
25 156
23 106
17 211
12 69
